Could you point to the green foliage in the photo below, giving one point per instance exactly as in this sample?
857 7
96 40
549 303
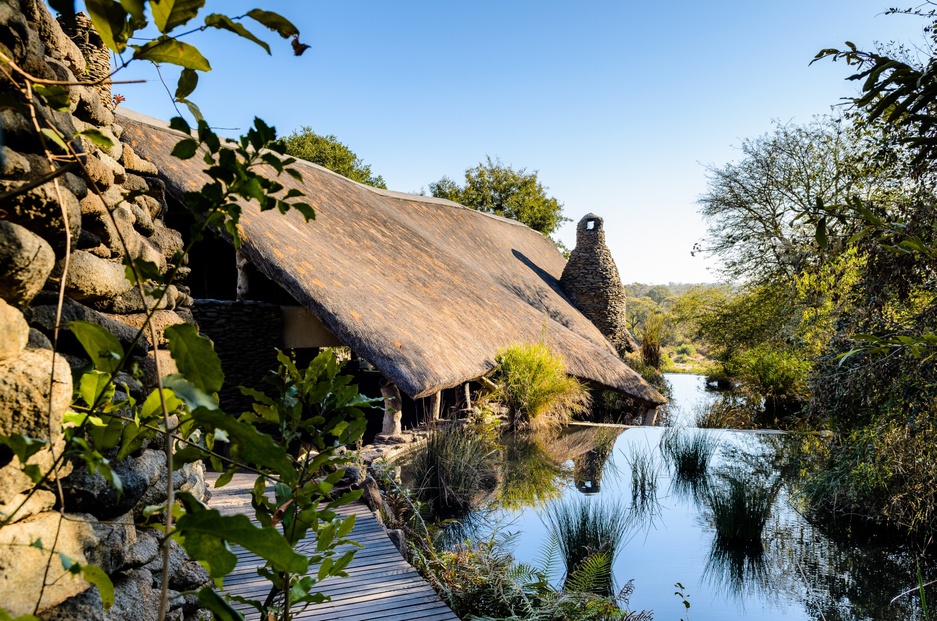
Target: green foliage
650 340
452 469
588 535
494 187
482 581
533 385
329 152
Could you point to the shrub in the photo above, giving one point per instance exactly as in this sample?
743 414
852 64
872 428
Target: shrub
686 349
773 373
651 338
534 386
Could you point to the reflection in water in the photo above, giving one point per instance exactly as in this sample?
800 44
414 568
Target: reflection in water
800 567
589 467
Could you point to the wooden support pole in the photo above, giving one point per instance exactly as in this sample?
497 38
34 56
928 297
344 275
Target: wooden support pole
468 396
650 417
392 409
243 286
435 406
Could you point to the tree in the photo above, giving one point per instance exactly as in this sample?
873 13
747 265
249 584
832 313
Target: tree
331 153
496 188
754 207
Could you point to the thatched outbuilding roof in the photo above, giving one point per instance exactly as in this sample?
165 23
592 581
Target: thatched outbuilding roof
426 290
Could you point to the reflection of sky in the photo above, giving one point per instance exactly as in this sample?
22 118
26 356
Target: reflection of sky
677 544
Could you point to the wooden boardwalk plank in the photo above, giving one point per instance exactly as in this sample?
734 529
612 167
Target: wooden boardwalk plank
381 585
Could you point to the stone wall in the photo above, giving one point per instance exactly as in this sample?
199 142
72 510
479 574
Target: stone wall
246 335
112 206
590 280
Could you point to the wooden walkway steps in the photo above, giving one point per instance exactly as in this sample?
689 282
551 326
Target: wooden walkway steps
381 585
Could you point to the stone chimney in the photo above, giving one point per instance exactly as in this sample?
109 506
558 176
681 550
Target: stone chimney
592 284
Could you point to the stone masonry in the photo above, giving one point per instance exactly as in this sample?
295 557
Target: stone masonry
117 195
591 282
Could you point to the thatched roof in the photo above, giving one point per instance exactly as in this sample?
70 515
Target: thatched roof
426 290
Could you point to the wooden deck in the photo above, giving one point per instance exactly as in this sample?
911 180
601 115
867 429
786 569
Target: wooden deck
380 585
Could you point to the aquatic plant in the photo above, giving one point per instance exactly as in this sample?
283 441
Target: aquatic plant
740 508
645 472
688 452
452 469
534 386
587 528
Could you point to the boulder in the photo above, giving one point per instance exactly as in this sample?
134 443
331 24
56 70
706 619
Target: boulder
27 405
134 597
56 42
13 165
91 108
39 210
38 340
42 317
26 260
21 506
86 606
132 302
189 577
92 278
13 481
23 566
14 332
87 492
161 320
135 163
144 550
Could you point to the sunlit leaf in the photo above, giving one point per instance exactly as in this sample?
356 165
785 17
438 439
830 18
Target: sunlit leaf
195 357
102 346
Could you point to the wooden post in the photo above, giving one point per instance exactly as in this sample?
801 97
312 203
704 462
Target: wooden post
392 409
435 405
243 286
468 396
650 417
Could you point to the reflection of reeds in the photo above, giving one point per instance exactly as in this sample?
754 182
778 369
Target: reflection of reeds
585 529
740 508
645 473
453 469
736 570
689 453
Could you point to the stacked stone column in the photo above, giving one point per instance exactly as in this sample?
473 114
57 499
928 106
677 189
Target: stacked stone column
110 207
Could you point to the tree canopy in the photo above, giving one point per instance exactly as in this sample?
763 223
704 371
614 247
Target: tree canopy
330 152
497 188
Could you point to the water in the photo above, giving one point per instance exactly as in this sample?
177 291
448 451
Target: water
800 571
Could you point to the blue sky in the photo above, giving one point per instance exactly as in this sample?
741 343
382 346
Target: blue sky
618 105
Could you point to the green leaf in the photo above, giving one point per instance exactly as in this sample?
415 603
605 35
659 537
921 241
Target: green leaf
96 388
254 447
179 124
53 135
96 576
97 137
185 149
275 22
205 534
22 446
822 240
167 14
216 20
136 9
110 21
188 80
55 95
193 396
221 609
102 346
193 109
195 357
174 52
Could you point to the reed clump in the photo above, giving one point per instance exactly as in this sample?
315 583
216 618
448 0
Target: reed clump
588 534
453 468
533 385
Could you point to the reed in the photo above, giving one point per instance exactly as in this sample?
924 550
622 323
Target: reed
589 533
